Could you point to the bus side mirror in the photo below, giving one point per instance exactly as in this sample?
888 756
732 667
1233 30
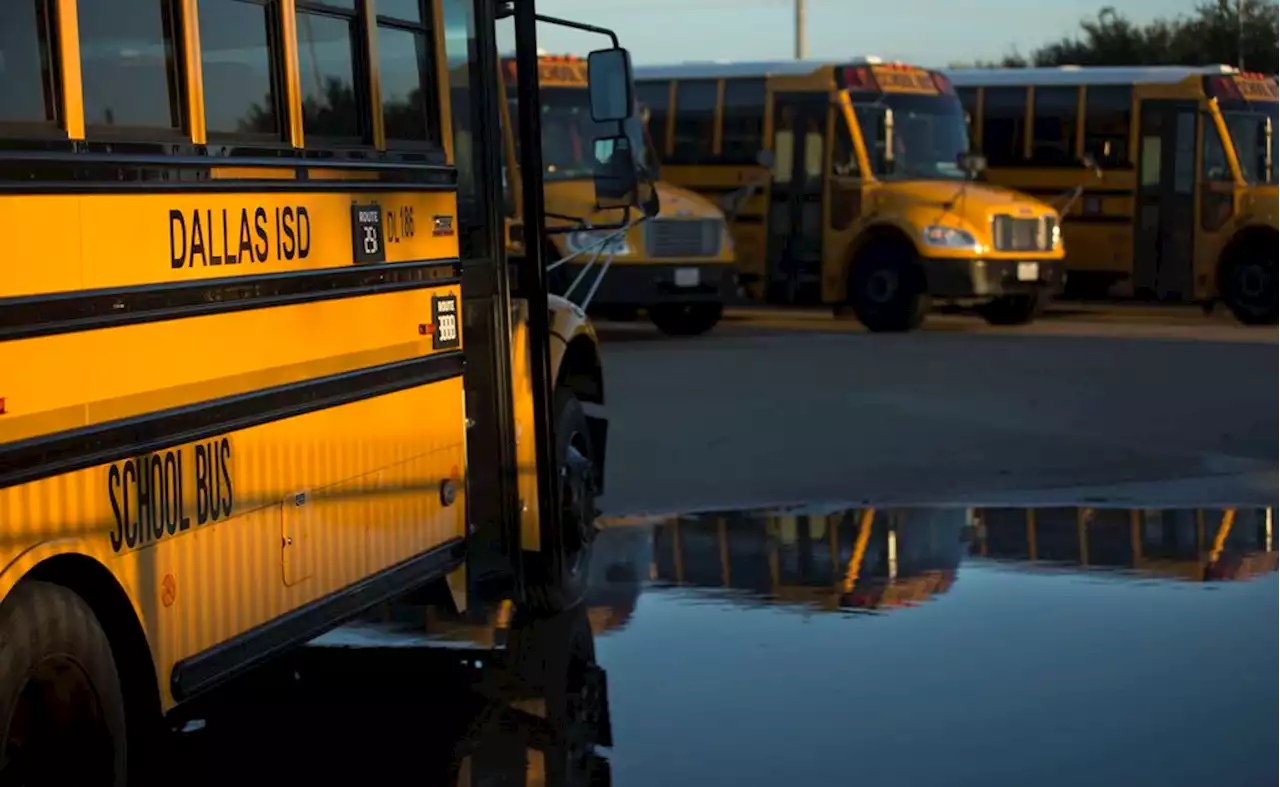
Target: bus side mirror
609 80
972 164
615 173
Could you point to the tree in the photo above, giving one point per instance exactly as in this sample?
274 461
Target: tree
1217 31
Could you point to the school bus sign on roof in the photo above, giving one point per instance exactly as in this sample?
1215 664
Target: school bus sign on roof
553 71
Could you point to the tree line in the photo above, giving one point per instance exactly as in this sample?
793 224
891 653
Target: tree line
1233 32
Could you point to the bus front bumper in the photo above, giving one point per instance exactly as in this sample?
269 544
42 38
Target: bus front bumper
989 278
645 284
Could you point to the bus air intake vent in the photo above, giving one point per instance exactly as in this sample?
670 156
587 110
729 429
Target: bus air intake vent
682 238
1017 234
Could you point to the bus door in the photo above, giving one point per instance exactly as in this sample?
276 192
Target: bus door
1164 240
795 202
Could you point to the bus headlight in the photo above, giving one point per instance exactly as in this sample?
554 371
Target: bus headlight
948 238
589 241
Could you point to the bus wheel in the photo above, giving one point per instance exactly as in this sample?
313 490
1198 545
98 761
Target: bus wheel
1248 284
61 702
887 289
554 582
1013 309
686 319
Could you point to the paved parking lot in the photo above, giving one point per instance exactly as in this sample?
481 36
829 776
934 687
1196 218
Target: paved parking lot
1137 405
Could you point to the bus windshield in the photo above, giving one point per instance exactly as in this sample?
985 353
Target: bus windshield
929 134
1254 132
568 133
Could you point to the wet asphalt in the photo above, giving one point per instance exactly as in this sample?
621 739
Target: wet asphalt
1040 556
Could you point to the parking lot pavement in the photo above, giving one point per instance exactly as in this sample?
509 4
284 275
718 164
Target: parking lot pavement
756 414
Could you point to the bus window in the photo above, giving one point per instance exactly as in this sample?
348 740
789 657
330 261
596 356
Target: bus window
655 97
969 100
403 58
1216 204
1053 133
695 121
1107 113
326 65
813 150
26 64
844 159
1003 122
742 121
239 65
129 64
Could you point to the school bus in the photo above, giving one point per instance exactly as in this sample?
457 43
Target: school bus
1198 545
1184 204
262 362
849 184
678 266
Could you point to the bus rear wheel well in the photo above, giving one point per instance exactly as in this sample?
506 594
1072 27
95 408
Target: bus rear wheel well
91 581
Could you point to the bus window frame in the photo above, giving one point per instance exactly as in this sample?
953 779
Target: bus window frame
174 21
361 68
51 83
865 172
279 84
429 74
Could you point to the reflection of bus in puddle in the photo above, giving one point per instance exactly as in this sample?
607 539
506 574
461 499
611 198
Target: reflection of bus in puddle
1203 544
827 560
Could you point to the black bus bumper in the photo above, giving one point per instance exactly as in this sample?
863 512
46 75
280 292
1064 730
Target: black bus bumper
949 278
645 284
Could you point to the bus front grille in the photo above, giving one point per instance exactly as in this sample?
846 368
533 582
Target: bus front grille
669 238
1015 234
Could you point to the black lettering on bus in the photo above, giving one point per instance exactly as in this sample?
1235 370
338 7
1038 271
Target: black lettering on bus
173 491
226 246
214 259
279 251
225 468
260 227
245 251
197 241
114 489
202 485
159 509
176 257
304 233
289 246
128 477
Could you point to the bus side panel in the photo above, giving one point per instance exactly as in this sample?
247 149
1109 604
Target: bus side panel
124 240
238 529
77 379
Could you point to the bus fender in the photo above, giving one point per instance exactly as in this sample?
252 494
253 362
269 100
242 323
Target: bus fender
576 365
880 232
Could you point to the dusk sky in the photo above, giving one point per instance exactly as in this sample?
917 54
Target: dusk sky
927 32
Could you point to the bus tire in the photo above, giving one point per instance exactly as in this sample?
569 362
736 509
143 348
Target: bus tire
559 582
686 319
1013 309
1247 281
61 700
887 288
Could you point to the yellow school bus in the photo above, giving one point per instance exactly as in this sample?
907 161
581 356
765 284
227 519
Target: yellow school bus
677 266
245 393
1183 206
848 184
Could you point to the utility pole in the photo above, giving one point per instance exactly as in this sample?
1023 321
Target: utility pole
1240 34
802 49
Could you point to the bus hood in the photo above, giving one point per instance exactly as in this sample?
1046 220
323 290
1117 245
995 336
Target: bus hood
973 202
577 198
1261 205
